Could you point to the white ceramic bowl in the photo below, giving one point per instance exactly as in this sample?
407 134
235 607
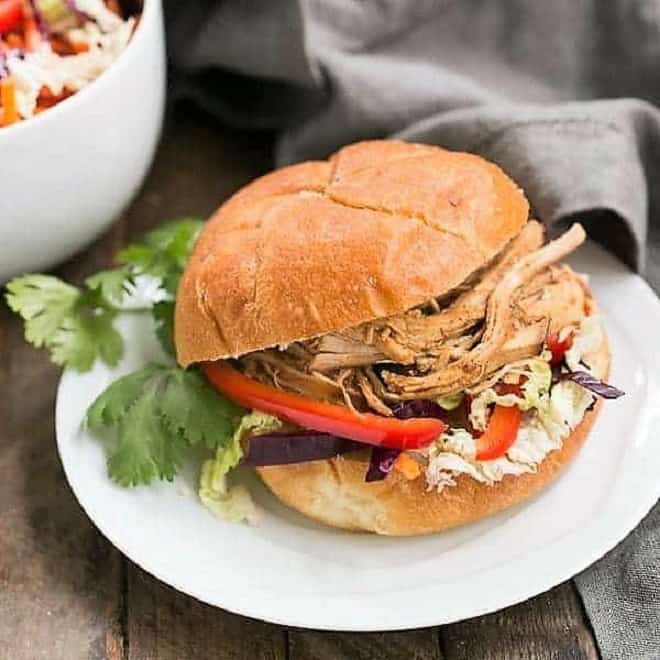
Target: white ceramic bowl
67 173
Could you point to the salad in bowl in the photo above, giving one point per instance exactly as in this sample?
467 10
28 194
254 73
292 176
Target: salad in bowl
51 49
98 67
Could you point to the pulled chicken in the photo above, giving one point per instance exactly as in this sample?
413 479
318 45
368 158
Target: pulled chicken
502 314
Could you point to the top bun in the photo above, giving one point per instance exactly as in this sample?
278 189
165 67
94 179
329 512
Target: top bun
380 227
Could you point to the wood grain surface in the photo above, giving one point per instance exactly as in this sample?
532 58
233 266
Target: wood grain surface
66 594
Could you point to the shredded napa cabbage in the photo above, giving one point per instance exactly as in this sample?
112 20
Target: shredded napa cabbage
457 441
99 13
454 453
543 430
537 375
550 415
450 401
232 503
568 404
587 340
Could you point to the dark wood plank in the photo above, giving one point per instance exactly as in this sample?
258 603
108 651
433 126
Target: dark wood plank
60 587
199 164
406 645
548 627
166 625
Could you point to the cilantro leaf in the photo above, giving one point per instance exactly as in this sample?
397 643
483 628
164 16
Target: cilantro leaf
163 252
81 338
144 450
111 284
197 411
138 256
43 301
155 414
163 313
175 238
76 326
110 406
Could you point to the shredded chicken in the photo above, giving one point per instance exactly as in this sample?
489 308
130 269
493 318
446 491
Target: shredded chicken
370 396
287 373
422 332
500 323
451 344
338 352
404 338
558 294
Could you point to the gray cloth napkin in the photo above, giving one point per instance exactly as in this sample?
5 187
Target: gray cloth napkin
513 81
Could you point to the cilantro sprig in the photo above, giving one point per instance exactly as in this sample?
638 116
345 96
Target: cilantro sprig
76 324
155 414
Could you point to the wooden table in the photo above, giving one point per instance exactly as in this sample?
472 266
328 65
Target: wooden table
67 594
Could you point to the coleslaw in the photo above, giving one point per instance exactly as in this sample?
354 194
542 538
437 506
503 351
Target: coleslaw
51 49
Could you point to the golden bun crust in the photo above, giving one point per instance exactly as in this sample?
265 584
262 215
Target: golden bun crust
379 228
334 491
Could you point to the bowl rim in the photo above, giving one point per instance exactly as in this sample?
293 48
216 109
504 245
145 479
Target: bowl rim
148 15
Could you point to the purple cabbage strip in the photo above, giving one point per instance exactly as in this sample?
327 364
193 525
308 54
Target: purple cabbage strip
39 18
303 446
381 463
73 7
593 384
419 408
296 447
4 57
382 458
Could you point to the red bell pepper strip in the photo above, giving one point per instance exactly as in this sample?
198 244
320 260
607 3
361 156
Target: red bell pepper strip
558 347
11 14
31 32
325 417
500 433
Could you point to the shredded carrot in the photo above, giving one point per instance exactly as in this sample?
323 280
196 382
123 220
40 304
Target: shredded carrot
64 47
14 40
61 46
8 102
408 466
79 47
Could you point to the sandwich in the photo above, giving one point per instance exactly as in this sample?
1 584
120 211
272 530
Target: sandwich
418 353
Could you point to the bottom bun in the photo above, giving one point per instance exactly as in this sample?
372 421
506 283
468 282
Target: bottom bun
334 491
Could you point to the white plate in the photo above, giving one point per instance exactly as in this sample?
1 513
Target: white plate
291 571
